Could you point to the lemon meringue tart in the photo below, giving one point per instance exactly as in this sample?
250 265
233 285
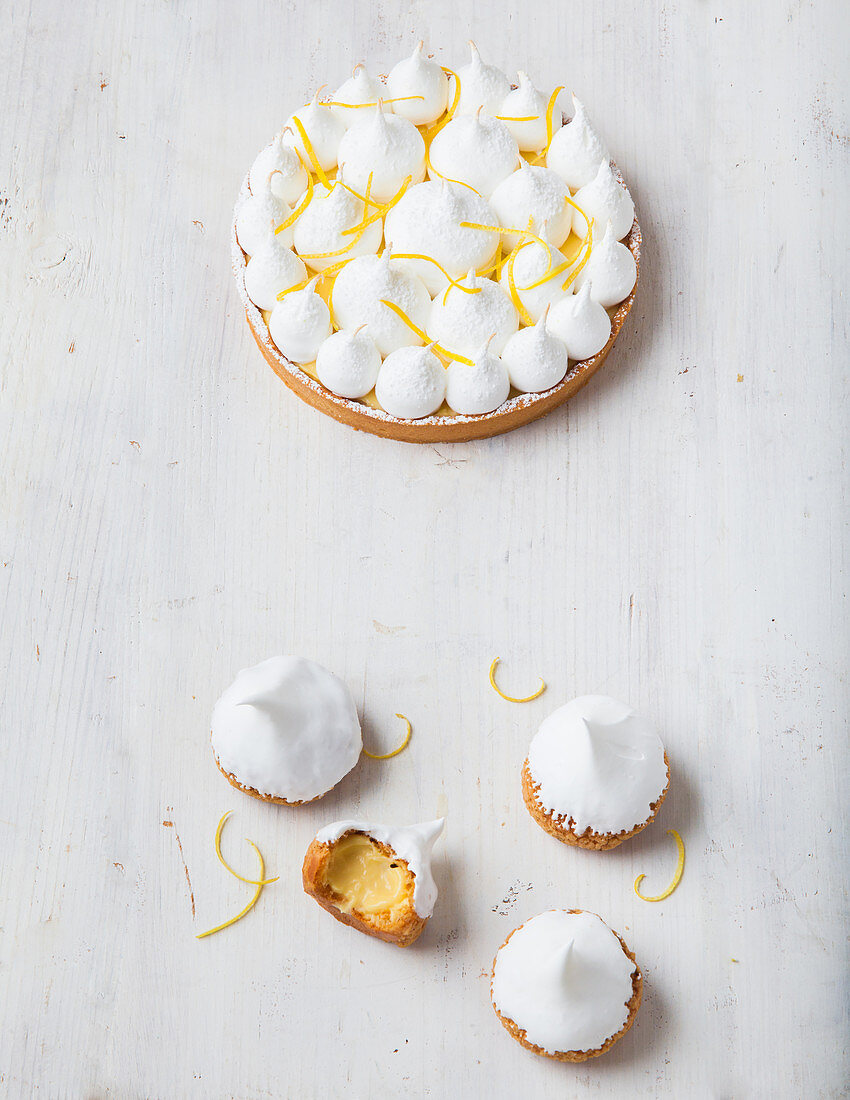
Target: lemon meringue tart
436 255
374 878
565 985
596 773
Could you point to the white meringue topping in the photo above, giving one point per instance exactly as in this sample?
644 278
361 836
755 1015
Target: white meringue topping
359 289
565 980
535 359
581 323
258 217
360 91
474 149
279 166
348 363
426 220
611 270
598 763
387 147
525 102
576 150
418 87
530 264
324 131
461 322
412 843
481 86
533 192
299 323
287 727
479 388
321 228
411 383
604 199
271 269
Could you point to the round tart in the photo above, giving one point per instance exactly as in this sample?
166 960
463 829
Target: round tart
435 210
596 773
565 985
286 731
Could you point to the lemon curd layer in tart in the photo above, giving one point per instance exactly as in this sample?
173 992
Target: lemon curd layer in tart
437 254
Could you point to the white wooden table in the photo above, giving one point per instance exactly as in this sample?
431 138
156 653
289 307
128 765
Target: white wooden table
171 513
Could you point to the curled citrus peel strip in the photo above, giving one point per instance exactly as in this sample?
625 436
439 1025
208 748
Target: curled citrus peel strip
517 118
302 205
677 874
401 747
311 153
358 231
515 298
291 290
577 270
550 108
383 208
441 269
251 881
373 103
510 698
438 348
259 883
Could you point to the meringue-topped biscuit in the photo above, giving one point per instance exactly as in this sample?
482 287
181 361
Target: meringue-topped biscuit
286 730
596 773
476 150
471 181
386 148
375 878
565 985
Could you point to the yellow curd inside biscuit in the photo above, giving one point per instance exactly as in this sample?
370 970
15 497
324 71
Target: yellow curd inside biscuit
366 879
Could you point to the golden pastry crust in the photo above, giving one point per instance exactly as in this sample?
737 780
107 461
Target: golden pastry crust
575 1055
445 426
234 782
562 828
402 932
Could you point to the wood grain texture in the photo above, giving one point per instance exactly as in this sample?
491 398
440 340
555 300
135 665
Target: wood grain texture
674 536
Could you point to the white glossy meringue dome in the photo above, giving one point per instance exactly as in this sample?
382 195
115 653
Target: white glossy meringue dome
320 235
411 383
537 193
279 166
358 93
535 359
418 88
272 269
388 148
564 979
362 286
524 113
474 149
581 323
598 763
427 220
258 217
288 728
605 200
611 271
299 323
463 317
482 87
479 387
348 362
530 266
576 150
324 131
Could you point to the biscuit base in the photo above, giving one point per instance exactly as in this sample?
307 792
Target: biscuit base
575 1055
402 934
254 793
519 409
562 828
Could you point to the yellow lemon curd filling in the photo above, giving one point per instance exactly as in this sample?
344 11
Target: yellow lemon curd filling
366 880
